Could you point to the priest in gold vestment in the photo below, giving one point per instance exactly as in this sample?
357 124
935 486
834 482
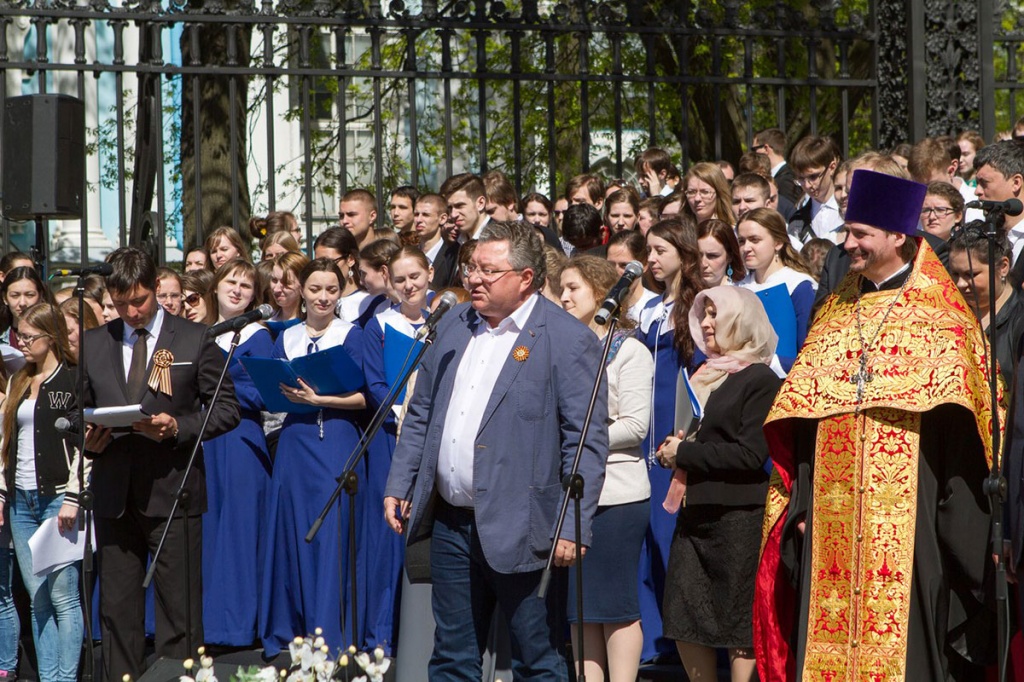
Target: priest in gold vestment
874 562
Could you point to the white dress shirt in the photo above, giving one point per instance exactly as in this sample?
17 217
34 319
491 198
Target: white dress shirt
1015 235
485 356
826 223
463 238
434 250
128 339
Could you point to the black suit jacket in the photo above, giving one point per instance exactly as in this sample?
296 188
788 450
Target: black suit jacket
550 237
1017 273
786 207
136 470
785 180
446 267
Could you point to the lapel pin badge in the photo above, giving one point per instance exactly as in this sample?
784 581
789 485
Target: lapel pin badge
520 353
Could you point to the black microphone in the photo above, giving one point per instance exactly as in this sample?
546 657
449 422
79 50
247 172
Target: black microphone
103 269
618 292
446 303
65 427
1008 207
264 312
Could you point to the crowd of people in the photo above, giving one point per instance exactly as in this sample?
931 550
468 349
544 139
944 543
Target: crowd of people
845 303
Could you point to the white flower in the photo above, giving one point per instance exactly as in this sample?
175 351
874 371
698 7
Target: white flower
375 668
268 674
205 673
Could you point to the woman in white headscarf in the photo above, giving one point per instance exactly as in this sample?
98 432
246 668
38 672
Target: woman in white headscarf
709 590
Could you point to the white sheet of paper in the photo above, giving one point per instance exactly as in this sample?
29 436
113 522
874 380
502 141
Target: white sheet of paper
51 550
13 359
114 417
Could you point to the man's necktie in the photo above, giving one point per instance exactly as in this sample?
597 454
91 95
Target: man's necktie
137 369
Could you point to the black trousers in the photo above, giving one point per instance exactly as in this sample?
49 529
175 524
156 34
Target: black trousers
124 546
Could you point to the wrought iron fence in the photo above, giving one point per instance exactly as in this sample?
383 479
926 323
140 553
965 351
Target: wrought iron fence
200 113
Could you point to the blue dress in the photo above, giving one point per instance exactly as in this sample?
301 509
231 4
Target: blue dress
237 477
658 334
380 542
801 288
306 585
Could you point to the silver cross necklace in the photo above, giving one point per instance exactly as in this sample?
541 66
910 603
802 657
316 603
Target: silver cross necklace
864 376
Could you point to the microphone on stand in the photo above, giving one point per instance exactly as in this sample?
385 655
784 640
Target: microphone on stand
103 269
264 312
445 303
1008 207
618 292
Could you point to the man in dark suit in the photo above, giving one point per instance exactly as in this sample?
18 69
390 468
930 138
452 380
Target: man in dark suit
492 427
170 366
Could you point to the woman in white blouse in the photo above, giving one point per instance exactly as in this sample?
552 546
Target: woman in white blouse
611 610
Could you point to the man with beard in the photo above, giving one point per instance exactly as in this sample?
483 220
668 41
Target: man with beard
876 531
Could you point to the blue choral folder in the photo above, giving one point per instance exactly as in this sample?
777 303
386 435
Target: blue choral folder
782 315
399 352
328 372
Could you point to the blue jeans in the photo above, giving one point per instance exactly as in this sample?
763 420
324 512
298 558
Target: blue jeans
465 592
10 626
57 624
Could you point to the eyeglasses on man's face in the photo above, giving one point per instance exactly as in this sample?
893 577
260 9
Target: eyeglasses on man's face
488 275
811 179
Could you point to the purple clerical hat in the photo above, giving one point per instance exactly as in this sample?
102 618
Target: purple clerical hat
885 201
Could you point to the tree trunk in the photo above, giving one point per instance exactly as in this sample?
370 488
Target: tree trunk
216 164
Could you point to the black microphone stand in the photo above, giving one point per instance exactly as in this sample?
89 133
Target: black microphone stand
348 481
181 498
85 496
573 484
995 485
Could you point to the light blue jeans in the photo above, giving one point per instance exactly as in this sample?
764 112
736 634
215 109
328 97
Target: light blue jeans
57 623
10 626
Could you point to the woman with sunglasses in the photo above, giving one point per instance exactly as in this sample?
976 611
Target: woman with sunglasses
41 481
237 475
301 585
195 292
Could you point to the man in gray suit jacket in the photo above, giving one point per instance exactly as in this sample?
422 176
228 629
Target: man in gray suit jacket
492 428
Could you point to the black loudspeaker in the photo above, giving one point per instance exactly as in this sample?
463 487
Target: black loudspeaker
44 157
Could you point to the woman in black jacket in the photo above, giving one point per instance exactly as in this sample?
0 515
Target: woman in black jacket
969 268
709 593
41 481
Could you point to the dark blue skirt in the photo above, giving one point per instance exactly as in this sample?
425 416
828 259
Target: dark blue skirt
610 578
